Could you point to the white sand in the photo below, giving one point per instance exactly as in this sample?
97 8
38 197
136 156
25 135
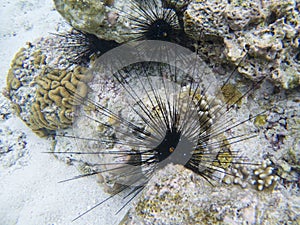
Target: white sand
29 188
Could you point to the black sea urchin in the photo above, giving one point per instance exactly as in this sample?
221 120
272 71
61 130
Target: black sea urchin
151 20
145 112
154 20
81 46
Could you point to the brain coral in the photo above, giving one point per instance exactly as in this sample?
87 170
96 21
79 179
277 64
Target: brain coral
41 86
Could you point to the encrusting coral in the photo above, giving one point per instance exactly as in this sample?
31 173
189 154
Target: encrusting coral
265 175
42 87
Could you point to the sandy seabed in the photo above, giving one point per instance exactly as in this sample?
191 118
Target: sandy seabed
30 192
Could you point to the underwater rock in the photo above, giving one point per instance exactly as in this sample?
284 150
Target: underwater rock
98 17
41 83
177 196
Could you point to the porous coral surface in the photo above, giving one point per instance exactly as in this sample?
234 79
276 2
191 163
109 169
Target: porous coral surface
267 30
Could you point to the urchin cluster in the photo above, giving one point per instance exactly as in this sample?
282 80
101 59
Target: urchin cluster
163 115
150 20
160 115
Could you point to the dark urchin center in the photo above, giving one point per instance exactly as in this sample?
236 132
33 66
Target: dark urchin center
168 145
99 46
174 148
159 30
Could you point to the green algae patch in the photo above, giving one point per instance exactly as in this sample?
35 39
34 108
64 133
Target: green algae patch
231 95
260 120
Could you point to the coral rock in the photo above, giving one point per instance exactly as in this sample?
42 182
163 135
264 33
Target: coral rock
270 30
177 196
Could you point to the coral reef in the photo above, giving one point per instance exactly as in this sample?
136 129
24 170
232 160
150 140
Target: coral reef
41 86
259 177
261 37
184 198
269 30
110 93
109 96
277 129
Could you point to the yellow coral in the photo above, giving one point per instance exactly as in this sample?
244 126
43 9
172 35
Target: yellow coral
65 115
43 82
15 84
62 88
224 159
37 119
11 81
39 59
260 120
57 92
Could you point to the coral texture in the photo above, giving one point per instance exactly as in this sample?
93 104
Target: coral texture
277 139
183 198
41 81
41 86
269 31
